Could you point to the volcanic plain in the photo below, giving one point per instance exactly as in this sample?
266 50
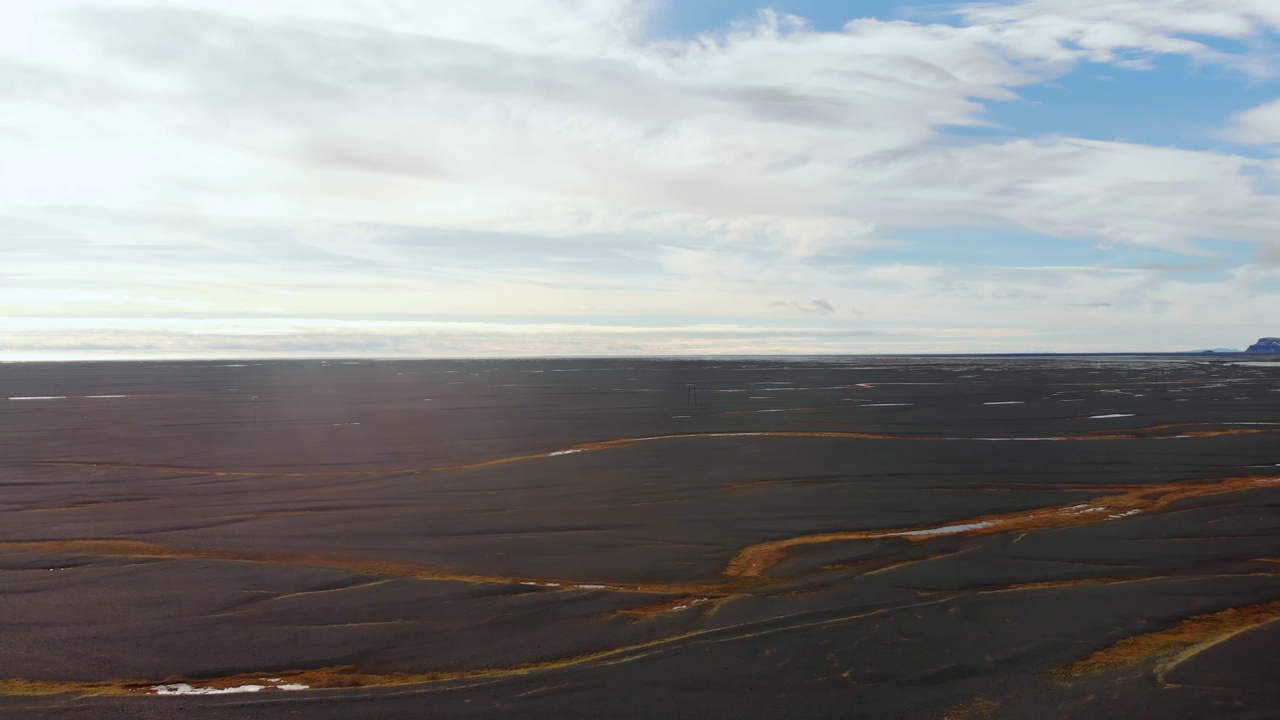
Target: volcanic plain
957 538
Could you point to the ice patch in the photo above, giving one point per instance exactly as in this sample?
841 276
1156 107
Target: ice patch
947 529
1113 415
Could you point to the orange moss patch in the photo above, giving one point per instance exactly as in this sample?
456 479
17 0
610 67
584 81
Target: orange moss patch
1178 643
19 686
975 709
668 606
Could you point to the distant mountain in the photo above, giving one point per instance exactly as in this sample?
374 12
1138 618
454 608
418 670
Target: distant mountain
1265 345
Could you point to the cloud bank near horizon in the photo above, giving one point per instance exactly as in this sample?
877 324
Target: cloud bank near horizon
472 171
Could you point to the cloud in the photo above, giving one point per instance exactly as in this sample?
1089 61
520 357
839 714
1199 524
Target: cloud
300 113
1257 126
813 307
321 159
1127 32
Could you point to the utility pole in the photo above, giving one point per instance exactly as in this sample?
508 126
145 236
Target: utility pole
255 411
691 396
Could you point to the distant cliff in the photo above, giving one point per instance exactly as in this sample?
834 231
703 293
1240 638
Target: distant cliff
1265 345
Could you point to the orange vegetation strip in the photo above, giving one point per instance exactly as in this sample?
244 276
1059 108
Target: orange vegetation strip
757 559
1126 434
349 676
204 472
1178 643
342 676
1149 433
747 568
746 571
363 566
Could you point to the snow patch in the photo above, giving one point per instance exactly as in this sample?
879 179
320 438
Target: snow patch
947 529
1112 415
185 689
691 603
189 689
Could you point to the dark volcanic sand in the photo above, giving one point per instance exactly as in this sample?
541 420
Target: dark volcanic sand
869 537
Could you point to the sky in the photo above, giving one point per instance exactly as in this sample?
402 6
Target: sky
324 178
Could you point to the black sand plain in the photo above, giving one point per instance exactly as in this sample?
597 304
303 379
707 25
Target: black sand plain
824 537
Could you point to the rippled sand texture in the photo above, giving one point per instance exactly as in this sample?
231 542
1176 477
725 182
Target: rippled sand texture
940 538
